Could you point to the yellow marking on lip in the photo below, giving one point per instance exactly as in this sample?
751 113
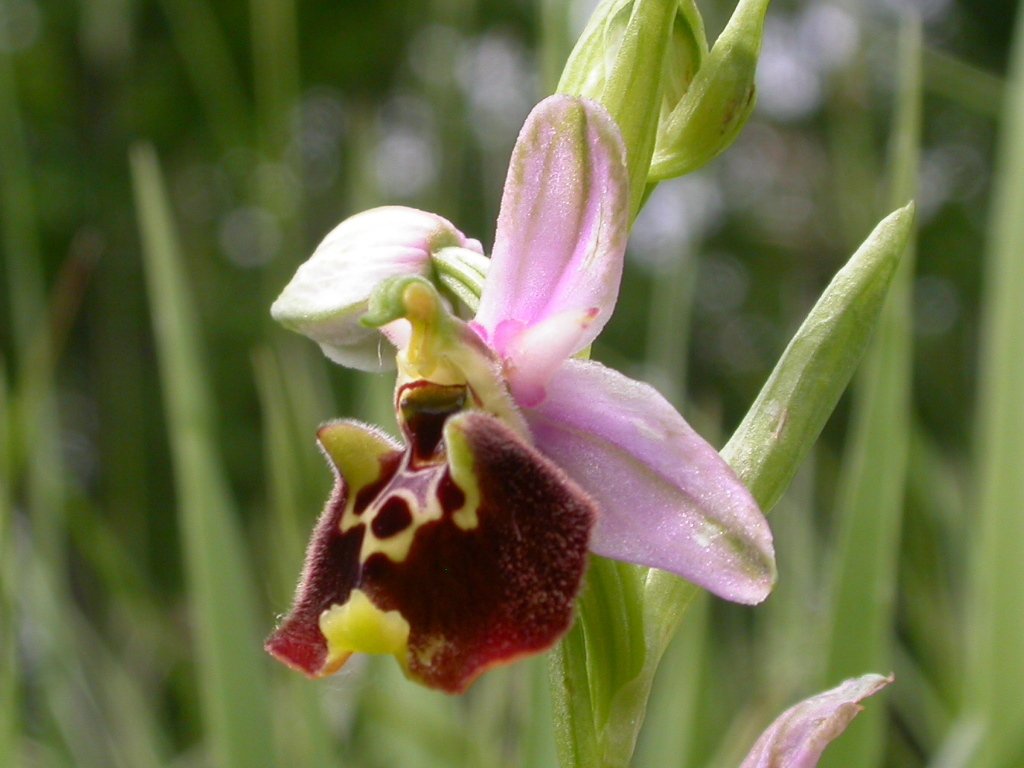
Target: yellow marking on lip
355 450
460 463
396 548
359 626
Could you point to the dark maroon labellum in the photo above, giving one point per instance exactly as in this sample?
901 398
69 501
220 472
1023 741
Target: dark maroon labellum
469 538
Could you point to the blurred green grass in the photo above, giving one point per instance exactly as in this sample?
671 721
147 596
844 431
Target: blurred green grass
158 473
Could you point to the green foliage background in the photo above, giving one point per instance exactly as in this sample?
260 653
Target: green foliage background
166 164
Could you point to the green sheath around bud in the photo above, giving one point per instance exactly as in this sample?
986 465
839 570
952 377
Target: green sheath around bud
688 47
718 102
619 62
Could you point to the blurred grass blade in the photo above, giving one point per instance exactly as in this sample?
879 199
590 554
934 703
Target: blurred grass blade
293 511
307 740
36 441
489 715
33 460
537 746
124 670
923 713
962 83
64 690
9 709
555 42
229 663
403 724
22 266
671 306
276 82
103 714
275 63
207 58
874 472
932 563
850 135
785 651
905 142
995 670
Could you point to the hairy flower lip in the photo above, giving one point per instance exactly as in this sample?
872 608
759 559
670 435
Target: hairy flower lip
488 573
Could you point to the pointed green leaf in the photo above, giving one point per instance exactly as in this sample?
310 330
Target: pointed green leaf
799 396
765 451
801 392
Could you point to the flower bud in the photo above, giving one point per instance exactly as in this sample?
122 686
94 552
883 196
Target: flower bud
329 293
715 106
623 60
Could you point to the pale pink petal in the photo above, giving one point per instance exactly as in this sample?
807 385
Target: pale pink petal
563 223
667 499
800 734
535 353
329 292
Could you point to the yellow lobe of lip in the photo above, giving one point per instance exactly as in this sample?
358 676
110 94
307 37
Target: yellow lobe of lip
358 626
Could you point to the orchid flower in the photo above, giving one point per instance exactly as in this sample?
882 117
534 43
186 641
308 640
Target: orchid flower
465 545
